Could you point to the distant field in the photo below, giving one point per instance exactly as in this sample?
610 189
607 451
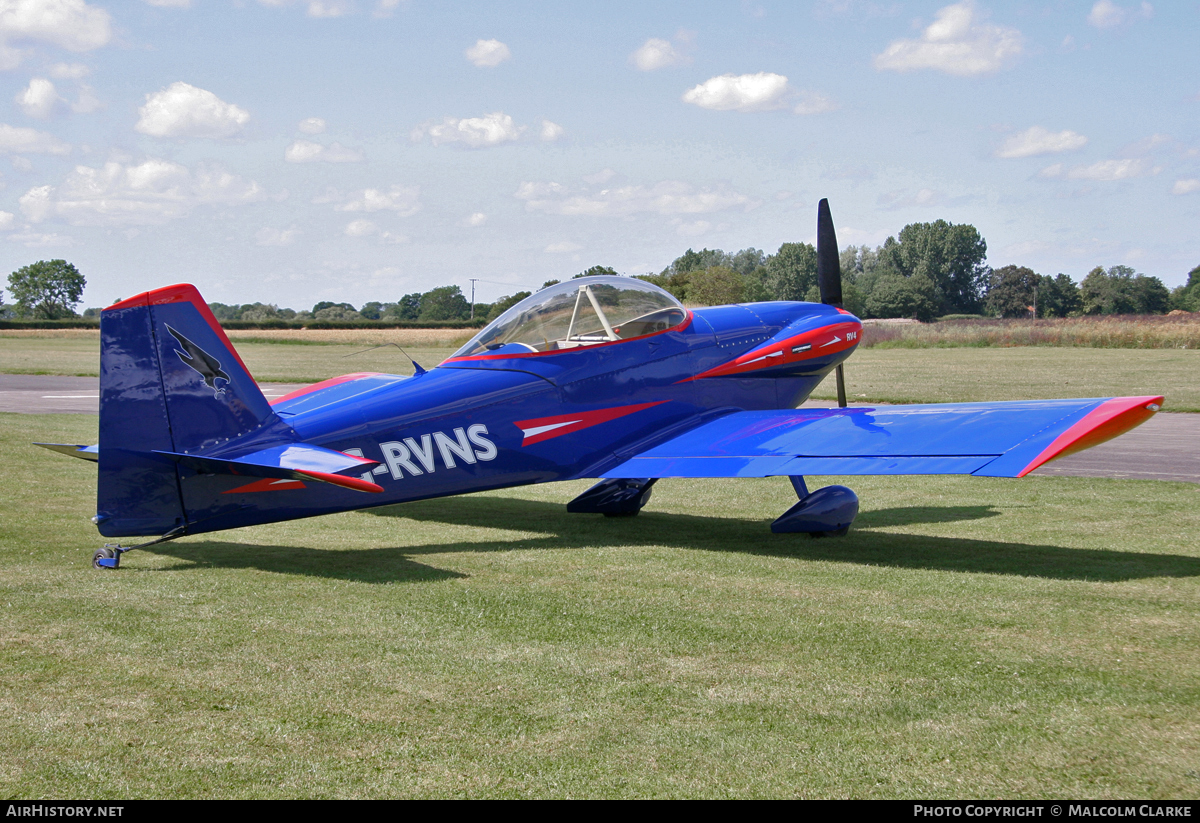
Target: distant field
272 356
1179 331
970 638
896 375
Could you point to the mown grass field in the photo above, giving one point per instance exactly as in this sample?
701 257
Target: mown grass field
969 638
874 375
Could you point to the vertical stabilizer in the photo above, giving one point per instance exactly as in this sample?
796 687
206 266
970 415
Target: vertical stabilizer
169 381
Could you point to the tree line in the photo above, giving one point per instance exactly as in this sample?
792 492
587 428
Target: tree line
928 270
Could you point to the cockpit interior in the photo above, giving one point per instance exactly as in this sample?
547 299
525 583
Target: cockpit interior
586 311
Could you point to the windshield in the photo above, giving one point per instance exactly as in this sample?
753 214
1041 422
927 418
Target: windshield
581 312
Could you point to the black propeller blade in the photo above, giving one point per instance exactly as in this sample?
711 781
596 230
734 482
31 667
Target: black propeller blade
829 269
829 276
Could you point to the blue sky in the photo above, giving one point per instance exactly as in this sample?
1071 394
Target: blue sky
290 152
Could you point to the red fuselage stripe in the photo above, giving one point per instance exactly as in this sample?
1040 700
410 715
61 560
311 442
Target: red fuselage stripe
567 423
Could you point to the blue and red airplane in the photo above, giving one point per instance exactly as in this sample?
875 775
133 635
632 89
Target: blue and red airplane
598 377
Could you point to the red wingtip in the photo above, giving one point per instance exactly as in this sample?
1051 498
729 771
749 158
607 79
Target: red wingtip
1108 420
355 483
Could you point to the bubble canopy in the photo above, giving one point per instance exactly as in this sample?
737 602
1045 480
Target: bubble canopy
586 311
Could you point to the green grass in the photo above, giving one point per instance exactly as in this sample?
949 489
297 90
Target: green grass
969 638
949 375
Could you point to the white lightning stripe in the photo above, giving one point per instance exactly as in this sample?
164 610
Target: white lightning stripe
835 339
536 430
67 396
764 357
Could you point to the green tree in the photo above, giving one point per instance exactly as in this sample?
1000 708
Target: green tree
791 271
716 286
337 313
444 303
505 303
325 304
1057 296
1012 291
260 312
371 311
747 261
951 256
409 308
595 271
47 289
1187 296
894 295
1121 290
676 283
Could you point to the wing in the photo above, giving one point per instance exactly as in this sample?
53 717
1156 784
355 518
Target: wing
985 439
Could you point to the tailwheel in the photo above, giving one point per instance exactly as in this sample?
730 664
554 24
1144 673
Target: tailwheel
106 558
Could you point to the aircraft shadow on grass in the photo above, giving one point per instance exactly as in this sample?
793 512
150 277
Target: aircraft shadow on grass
550 528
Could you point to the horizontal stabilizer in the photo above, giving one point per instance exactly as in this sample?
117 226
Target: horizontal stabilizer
295 461
83 452
984 439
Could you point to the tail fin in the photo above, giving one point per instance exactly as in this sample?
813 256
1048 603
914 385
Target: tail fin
170 381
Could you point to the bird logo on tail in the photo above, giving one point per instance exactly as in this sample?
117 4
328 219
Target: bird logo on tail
201 362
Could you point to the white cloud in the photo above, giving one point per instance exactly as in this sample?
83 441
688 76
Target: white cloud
39 98
17 140
564 247
366 228
6 220
182 110
1037 140
404 200
69 24
361 228
330 8
35 240
487 54
385 8
600 177
1108 15
170 4
275 237
656 54
148 193
476 219
693 229
669 197
1103 170
740 92
475 132
304 151
550 131
69 71
957 42
1186 186
813 103
311 125
903 199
